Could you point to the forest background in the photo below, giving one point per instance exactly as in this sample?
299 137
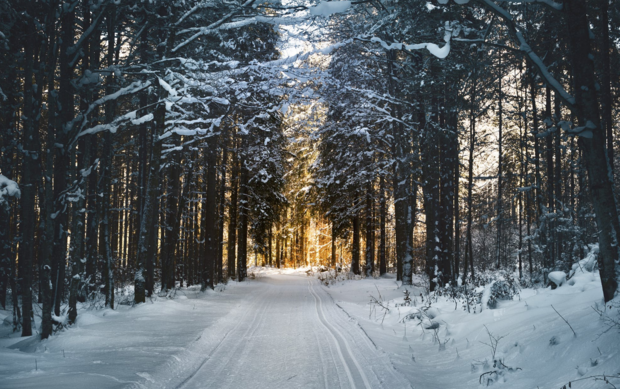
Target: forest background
147 145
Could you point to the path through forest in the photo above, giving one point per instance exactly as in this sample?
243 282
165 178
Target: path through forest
289 334
277 331
283 329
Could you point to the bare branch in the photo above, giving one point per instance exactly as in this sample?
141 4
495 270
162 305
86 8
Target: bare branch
534 58
571 327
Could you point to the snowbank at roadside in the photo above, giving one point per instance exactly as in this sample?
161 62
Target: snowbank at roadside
524 342
125 347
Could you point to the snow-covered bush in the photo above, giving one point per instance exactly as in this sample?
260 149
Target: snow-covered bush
407 298
467 296
557 279
496 286
331 276
587 265
502 290
487 290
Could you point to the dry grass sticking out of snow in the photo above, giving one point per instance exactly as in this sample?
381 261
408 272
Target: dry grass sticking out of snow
526 342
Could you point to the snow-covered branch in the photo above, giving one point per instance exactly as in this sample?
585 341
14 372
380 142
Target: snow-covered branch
86 35
550 3
214 26
439 52
128 118
134 87
322 9
8 188
203 4
303 56
526 48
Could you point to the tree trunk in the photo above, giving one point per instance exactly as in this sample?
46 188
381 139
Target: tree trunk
105 178
172 224
400 184
278 254
550 252
270 247
538 183
210 227
47 241
557 242
430 188
28 185
370 258
500 173
382 239
64 116
242 244
594 149
457 205
232 216
355 253
469 256
607 123
222 211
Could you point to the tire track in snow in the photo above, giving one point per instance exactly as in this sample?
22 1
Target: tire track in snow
336 335
323 364
232 350
374 355
255 326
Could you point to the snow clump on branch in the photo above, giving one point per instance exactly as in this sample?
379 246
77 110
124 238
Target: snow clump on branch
8 188
329 8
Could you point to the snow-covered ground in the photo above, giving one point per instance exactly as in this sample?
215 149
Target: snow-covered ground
536 346
285 329
116 348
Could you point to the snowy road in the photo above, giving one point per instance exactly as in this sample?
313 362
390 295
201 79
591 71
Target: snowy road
277 331
288 334
284 330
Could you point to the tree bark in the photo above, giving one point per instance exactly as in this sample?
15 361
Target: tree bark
594 151
232 216
370 258
500 173
172 224
355 253
382 238
28 184
242 244
607 124
333 244
210 228
221 212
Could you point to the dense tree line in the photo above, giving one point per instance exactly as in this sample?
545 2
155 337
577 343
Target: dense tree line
125 126
160 144
492 157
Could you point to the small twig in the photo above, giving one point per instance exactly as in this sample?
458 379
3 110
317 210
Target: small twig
508 367
571 327
483 374
380 297
493 341
597 378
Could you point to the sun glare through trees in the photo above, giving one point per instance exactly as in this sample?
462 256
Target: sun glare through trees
309 193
